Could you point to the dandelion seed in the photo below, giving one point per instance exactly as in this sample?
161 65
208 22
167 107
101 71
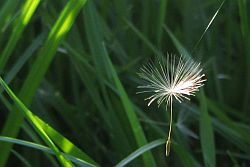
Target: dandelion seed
175 80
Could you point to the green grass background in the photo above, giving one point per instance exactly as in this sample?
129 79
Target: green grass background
69 76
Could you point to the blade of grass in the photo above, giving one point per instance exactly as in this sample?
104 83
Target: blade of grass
236 164
132 117
24 58
88 77
177 44
206 133
223 126
64 144
45 149
145 12
161 19
242 4
140 151
95 37
27 12
143 38
228 121
60 29
32 120
38 70
184 156
209 24
6 12
26 127
21 158
232 136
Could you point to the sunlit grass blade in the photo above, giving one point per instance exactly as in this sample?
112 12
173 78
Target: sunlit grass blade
27 128
26 14
209 24
64 144
32 120
39 68
45 149
57 33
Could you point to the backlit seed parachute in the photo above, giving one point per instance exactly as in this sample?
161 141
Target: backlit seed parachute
177 79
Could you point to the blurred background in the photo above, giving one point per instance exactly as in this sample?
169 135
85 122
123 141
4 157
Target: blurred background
74 64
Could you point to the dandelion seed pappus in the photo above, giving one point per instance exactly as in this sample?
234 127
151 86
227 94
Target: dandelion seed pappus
169 80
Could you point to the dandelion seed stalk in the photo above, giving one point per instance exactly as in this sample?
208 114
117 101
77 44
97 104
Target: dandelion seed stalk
168 143
169 81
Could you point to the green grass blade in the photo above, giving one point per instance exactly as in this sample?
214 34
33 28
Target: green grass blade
24 58
105 70
143 38
177 44
219 113
31 118
6 12
88 76
236 164
27 12
131 115
21 158
27 129
184 156
140 151
206 134
95 37
244 25
64 144
225 126
59 30
39 68
45 149
242 4
161 17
